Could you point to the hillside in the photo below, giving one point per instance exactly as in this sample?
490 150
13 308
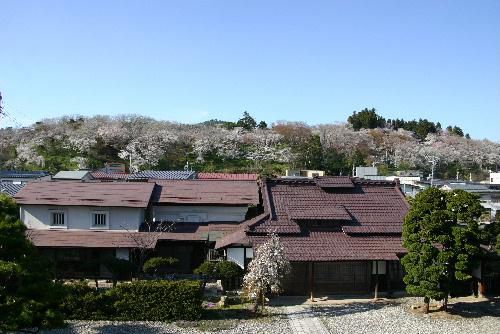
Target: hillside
81 142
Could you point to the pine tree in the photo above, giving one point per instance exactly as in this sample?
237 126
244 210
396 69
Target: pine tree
440 233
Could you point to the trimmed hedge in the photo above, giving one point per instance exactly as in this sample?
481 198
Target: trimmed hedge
138 301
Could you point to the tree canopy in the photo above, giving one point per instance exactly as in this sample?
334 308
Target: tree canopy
28 298
441 235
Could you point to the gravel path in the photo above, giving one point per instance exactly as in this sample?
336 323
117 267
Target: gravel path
369 318
275 325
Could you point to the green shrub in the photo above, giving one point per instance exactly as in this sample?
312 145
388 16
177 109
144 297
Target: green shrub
160 265
138 301
207 268
158 300
228 270
85 303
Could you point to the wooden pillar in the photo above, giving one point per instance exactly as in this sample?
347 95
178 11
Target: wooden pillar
376 281
388 278
244 258
311 280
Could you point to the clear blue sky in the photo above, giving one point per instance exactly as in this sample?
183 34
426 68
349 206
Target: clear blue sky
313 61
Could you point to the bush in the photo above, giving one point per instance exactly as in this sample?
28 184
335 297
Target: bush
85 303
207 268
138 301
228 270
160 265
230 274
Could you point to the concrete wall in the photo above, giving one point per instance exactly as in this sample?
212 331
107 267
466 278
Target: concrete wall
193 213
80 217
365 171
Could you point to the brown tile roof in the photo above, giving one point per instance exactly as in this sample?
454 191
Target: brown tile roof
318 211
109 194
334 182
199 231
238 235
122 239
214 192
89 239
316 223
373 229
337 246
227 176
366 203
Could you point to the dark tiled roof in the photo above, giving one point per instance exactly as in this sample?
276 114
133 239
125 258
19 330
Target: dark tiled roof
217 192
163 175
227 176
23 174
318 211
10 189
337 246
94 239
316 223
334 182
239 236
118 194
373 229
368 202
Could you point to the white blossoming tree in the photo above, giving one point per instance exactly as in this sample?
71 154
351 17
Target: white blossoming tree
267 270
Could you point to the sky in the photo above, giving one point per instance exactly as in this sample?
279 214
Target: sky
312 61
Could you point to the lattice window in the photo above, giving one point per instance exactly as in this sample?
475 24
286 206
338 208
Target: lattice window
58 218
99 219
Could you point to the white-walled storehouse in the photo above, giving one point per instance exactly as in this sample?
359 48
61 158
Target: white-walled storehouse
74 222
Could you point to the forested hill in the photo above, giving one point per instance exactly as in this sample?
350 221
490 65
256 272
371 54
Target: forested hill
246 145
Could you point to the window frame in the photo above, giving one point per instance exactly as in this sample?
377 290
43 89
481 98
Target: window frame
53 212
92 220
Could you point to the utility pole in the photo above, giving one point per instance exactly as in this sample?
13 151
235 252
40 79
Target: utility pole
433 161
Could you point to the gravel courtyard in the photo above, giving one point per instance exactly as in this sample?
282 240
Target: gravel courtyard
396 319
358 317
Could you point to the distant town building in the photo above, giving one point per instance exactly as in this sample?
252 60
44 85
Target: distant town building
495 178
363 172
22 177
73 175
114 167
304 173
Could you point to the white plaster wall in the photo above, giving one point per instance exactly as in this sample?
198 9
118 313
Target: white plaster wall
79 217
494 178
237 256
202 213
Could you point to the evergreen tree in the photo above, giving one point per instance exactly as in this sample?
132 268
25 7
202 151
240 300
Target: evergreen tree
28 298
247 122
440 233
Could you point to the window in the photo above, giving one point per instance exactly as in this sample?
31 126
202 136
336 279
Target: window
57 218
100 219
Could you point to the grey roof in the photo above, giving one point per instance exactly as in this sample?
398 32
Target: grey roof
23 174
10 189
71 175
164 175
472 187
